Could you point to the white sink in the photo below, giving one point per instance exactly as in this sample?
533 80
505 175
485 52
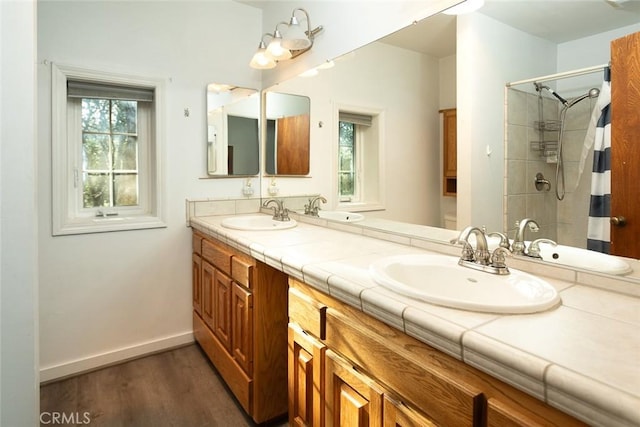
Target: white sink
575 257
341 216
583 258
438 279
257 223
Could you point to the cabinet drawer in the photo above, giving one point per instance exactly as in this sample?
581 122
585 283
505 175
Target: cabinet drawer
196 243
241 269
309 314
217 255
443 396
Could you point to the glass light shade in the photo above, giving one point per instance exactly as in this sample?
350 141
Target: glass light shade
295 37
275 49
262 61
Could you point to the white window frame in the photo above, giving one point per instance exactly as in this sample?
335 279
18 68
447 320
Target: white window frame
370 196
68 214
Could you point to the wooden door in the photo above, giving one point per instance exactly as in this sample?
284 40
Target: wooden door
222 309
396 414
207 277
196 283
449 151
293 145
625 144
242 327
306 379
351 399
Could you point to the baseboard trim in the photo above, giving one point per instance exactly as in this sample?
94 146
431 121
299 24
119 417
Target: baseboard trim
102 360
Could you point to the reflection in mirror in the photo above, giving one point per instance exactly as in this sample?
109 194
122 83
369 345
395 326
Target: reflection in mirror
287 136
525 23
232 130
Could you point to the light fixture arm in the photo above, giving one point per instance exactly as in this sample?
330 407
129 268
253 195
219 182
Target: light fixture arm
310 33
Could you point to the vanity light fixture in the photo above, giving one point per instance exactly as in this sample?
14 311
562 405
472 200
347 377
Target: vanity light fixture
261 60
275 49
293 41
467 6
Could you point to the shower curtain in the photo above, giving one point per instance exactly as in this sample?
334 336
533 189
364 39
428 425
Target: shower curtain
599 227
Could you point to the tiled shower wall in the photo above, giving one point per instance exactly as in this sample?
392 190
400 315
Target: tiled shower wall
563 221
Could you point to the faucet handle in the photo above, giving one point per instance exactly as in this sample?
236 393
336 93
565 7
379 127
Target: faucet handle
534 247
468 254
499 256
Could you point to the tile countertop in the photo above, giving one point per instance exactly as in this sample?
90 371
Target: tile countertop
582 357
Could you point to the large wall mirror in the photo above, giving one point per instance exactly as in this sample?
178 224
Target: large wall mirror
287 134
233 131
424 82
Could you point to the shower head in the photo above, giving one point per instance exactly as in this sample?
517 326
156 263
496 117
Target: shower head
593 93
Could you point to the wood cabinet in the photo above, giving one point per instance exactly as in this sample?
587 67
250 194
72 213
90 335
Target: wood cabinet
375 375
449 151
306 379
240 321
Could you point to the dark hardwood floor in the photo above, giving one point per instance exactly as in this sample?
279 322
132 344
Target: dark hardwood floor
179 387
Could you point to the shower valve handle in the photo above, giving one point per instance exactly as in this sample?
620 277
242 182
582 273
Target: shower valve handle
618 221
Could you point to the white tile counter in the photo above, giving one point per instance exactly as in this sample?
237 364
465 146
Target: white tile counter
582 357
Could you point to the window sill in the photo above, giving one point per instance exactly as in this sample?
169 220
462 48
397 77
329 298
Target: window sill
108 224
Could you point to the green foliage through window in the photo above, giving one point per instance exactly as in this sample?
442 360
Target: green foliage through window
346 160
109 153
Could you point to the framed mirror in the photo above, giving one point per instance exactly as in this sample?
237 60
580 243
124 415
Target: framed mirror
287 141
233 131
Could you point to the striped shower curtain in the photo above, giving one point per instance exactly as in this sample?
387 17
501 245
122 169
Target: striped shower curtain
599 227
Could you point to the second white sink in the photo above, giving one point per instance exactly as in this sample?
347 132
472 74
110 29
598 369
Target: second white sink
257 223
438 279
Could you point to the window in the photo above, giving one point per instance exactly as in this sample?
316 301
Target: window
106 152
359 161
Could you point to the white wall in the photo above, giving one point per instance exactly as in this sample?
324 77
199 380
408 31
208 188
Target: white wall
404 85
104 297
489 55
348 25
448 98
19 394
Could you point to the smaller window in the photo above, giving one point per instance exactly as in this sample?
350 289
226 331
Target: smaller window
106 144
359 161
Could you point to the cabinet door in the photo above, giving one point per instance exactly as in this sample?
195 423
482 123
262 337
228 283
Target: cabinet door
242 327
222 309
196 283
351 398
306 379
207 277
396 414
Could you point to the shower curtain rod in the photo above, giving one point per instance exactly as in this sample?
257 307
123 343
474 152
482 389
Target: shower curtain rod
563 75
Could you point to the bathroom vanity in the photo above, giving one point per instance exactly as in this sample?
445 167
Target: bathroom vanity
360 353
239 320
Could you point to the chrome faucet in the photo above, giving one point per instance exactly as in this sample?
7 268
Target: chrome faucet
314 205
481 258
518 246
280 213
534 247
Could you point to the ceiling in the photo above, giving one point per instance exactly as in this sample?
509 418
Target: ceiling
558 21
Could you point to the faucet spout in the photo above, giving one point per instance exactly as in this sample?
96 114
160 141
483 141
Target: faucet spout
519 247
280 213
482 250
314 205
